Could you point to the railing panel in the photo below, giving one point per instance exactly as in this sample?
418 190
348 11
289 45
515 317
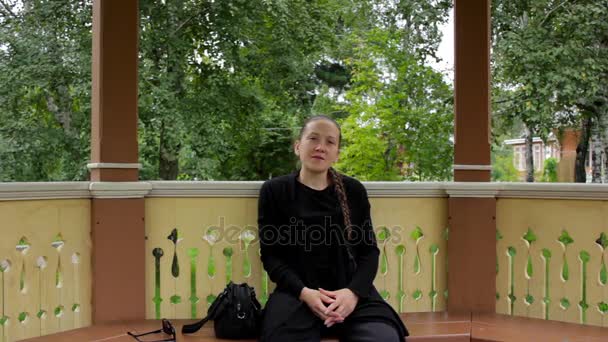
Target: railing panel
552 259
45 272
416 233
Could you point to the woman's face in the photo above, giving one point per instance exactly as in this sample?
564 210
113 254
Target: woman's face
318 146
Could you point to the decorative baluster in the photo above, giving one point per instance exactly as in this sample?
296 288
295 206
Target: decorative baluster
511 252
264 295
247 237
175 238
602 242
383 237
529 238
564 239
212 236
41 264
546 255
157 253
584 257
58 244
22 248
228 251
5 267
400 251
193 254
434 250
498 238
76 304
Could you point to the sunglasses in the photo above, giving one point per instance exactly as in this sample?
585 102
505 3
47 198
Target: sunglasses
167 328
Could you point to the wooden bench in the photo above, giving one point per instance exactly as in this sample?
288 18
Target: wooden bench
422 326
427 327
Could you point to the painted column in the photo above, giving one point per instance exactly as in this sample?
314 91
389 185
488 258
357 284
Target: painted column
117 224
472 242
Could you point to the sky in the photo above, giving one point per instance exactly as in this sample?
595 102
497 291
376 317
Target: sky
446 49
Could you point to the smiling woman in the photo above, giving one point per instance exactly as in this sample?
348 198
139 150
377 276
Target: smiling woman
321 254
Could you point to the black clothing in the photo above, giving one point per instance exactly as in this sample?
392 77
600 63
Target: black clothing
302 241
311 329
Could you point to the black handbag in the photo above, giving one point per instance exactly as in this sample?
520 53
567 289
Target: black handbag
236 314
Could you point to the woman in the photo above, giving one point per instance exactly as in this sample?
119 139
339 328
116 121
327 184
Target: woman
318 245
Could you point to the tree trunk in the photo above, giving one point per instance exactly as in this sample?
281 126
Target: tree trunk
529 156
598 156
582 150
168 162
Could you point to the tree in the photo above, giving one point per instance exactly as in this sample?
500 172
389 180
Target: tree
551 65
45 70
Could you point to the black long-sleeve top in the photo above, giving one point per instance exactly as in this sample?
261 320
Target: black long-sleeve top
302 236
294 221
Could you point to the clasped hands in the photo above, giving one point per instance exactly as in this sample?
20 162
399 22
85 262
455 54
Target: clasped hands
330 306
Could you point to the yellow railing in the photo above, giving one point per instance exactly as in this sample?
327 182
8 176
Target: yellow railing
552 259
45 272
212 248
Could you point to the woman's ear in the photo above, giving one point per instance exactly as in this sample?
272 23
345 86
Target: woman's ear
296 147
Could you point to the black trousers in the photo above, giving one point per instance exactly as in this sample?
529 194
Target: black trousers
309 328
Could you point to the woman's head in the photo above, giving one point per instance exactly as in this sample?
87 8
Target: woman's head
318 144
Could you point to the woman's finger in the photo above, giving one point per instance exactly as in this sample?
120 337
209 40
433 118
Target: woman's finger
332 307
327 293
327 299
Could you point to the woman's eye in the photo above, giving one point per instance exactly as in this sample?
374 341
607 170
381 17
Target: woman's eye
313 138
332 143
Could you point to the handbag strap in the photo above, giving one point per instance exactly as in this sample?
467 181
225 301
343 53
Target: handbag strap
216 308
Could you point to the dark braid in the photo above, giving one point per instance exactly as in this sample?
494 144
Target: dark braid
341 192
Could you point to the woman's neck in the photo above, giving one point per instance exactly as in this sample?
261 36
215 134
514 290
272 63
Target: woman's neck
315 180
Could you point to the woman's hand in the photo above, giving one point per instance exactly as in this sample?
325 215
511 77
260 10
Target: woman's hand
315 301
344 303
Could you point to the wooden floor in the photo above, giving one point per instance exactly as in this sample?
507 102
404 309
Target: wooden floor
427 327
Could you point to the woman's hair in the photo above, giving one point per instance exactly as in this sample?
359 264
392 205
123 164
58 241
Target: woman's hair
335 175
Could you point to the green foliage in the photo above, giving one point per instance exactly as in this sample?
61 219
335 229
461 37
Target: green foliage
503 169
549 64
225 85
550 170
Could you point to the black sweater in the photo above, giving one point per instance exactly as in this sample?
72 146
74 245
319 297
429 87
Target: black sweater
294 221
302 234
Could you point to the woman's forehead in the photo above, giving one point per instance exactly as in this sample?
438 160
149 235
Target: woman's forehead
322 127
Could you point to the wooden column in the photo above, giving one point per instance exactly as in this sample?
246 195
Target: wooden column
472 243
117 225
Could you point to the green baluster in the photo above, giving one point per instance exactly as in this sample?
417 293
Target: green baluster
602 241
157 253
564 239
417 235
22 247
5 266
58 244
529 238
247 237
193 254
511 252
434 249
212 236
383 237
76 304
228 251
583 305
41 264
264 295
446 235
175 238
546 255
498 238
400 251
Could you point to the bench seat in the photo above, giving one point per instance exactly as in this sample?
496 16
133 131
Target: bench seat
423 327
